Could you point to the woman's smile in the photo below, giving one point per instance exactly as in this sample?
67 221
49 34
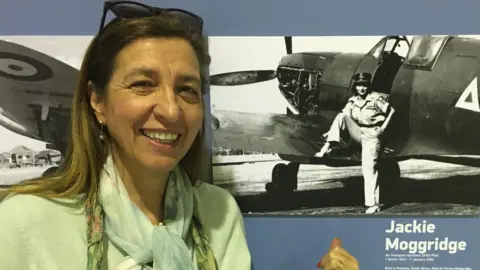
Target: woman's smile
161 139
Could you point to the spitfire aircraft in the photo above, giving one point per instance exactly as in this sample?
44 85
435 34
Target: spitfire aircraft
36 94
431 81
433 87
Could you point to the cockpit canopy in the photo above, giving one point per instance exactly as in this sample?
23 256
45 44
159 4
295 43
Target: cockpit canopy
424 51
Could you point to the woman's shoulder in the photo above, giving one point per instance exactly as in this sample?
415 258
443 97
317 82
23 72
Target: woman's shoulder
223 223
28 209
23 200
35 229
206 189
215 201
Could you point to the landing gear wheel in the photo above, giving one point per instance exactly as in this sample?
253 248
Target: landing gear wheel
284 178
293 175
279 173
389 182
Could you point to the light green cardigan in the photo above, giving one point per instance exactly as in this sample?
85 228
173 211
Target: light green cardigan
41 234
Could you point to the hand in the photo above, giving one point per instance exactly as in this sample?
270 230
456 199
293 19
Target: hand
338 258
380 131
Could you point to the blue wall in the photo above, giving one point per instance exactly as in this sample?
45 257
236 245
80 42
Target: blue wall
288 243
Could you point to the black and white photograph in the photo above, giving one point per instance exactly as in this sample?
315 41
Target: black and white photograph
301 125
347 125
37 76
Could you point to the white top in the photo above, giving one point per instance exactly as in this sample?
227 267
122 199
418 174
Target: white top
38 233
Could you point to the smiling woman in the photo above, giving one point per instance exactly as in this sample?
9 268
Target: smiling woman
130 193
154 105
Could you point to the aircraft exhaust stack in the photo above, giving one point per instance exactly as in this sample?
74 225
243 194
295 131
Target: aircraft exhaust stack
242 77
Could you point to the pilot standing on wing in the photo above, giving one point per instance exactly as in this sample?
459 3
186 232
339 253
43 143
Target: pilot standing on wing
367 115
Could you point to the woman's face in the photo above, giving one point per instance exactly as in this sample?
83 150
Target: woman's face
153 108
362 89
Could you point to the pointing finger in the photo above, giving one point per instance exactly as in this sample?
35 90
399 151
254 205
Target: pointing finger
336 242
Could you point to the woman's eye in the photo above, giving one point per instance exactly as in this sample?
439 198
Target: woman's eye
143 84
188 89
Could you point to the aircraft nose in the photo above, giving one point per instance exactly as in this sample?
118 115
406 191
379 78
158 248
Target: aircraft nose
310 61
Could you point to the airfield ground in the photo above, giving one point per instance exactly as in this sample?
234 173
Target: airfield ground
428 188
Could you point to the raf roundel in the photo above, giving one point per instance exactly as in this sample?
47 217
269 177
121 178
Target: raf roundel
23 68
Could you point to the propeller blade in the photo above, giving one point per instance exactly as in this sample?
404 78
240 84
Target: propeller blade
288 44
242 77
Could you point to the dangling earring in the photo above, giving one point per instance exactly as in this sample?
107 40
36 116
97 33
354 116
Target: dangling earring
101 131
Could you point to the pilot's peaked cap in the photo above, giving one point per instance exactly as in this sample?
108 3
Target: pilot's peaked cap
362 77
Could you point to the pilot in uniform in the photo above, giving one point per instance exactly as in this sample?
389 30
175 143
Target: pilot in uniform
365 116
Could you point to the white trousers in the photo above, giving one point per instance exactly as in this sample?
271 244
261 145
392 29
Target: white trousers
371 144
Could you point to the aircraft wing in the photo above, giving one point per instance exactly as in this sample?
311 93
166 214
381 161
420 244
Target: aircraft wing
16 117
269 133
31 83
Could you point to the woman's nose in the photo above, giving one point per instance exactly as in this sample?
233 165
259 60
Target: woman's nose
167 106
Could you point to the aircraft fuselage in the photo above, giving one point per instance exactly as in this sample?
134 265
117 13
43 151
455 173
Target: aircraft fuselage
437 111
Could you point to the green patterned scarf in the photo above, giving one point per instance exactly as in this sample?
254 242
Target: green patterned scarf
163 246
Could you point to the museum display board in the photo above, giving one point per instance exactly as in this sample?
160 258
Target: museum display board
286 80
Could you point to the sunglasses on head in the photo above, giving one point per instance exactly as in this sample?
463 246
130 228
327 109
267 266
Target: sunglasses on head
131 9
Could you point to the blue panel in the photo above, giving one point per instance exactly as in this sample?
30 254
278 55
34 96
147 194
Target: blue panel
265 17
299 243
